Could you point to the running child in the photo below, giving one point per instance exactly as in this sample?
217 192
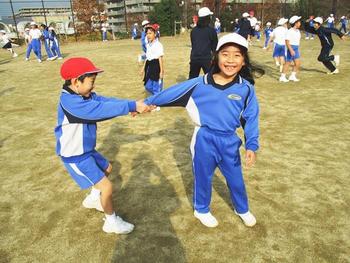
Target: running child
153 68
7 43
267 32
219 103
79 110
34 42
257 30
104 28
327 44
330 21
278 36
55 45
292 43
46 37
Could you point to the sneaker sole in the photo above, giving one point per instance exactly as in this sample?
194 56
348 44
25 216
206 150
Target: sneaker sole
248 225
108 231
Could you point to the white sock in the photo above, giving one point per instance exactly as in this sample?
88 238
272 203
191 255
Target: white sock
277 64
283 75
294 74
95 192
110 217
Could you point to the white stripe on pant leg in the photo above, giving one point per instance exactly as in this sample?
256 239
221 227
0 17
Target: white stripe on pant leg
76 169
193 143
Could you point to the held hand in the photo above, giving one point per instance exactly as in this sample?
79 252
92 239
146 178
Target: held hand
141 107
250 158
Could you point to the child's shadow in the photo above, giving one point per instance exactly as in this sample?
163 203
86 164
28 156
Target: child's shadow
148 199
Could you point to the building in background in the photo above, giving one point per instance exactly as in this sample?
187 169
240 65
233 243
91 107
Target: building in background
37 14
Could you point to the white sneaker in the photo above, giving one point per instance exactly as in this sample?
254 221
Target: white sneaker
92 202
283 79
336 71
14 55
337 60
117 225
39 60
293 78
206 219
306 38
247 218
264 47
27 59
312 38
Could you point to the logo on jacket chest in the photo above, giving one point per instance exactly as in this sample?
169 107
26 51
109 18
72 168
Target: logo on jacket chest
234 97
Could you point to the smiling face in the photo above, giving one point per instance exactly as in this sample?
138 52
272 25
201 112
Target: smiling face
230 61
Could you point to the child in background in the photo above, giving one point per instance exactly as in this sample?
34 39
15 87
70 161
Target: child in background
257 30
104 28
278 36
46 36
26 36
79 110
311 24
153 69
292 43
142 57
219 103
330 21
343 24
267 32
34 42
55 45
7 43
134 31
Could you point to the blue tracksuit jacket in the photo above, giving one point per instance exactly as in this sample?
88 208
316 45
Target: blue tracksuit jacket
77 117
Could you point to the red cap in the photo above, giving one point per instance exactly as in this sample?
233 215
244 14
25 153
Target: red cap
75 67
155 27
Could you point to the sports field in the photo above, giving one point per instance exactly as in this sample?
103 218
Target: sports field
298 189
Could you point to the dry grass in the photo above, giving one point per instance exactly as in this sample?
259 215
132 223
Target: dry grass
298 190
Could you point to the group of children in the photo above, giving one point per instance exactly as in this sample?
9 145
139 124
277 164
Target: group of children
228 87
34 36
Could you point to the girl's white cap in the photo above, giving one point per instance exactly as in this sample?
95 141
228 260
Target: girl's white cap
294 19
32 23
245 14
26 29
204 11
232 38
282 21
51 28
342 17
268 23
144 22
318 20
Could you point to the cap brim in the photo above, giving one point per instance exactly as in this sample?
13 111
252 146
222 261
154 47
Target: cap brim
97 70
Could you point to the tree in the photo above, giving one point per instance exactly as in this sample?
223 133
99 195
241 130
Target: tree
165 14
87 11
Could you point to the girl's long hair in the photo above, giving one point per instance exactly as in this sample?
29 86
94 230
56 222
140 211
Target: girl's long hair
248 71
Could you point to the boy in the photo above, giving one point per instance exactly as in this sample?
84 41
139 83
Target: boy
7 43
292 43
79 110
267 32
325 36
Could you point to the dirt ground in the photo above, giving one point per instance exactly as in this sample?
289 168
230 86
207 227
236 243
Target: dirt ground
298 190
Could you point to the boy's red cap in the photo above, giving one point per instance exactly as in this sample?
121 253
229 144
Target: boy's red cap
75 67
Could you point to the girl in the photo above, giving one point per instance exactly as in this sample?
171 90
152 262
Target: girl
278 36
34 42
292 43
55 46
219 103
7 43
153 67
45 34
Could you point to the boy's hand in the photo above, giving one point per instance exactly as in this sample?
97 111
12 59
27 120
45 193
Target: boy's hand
250 158
161 74
141 107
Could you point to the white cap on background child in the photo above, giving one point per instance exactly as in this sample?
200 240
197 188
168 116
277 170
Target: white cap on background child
3 31
294 19
204 11
282 21
268 23
232 38
32 23
318 20
144 22
245 14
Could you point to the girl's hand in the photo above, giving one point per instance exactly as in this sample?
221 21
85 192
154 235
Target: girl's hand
142 72
161 74
250 158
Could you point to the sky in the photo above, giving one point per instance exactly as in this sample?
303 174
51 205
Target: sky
5 7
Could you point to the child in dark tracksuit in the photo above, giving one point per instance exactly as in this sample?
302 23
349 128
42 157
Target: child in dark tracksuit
219 103
325 36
